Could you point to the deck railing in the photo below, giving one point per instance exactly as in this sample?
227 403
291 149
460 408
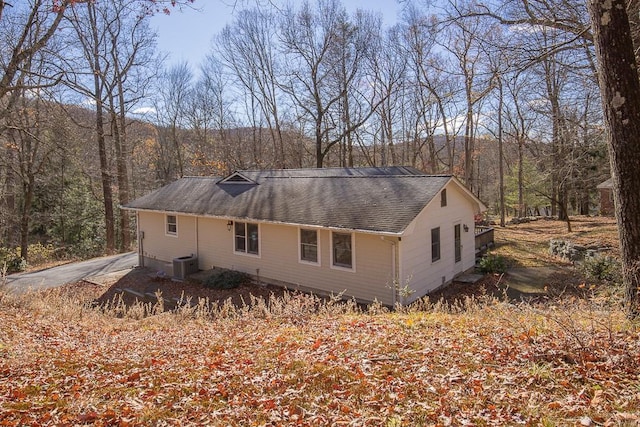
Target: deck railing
484 238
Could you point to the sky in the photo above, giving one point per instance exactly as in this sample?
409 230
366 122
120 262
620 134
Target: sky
186 36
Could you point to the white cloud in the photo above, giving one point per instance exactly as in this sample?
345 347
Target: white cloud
144 111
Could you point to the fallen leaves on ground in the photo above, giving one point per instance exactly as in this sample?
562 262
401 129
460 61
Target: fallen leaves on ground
489 364
527 244
296 360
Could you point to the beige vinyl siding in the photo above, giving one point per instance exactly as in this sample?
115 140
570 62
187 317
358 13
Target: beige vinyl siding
160 246
279 260
416 268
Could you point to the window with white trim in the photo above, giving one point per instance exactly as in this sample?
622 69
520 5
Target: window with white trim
171 225
246 238
309 246
342 250
443 198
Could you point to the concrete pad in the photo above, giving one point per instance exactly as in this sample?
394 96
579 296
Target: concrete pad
107 279
469 278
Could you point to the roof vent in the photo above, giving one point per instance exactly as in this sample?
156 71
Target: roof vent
237 178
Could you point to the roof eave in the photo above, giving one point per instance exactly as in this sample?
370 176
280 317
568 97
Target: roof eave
263 221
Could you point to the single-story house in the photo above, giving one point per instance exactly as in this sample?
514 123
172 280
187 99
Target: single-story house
368 233
605 190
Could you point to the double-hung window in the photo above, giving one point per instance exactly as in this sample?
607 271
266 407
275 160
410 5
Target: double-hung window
309 246
171 227
342 250
435 244
247 239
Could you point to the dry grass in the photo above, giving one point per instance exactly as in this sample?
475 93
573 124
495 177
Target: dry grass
299 360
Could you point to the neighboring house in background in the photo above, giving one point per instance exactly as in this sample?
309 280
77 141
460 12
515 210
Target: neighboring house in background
355 231
605 190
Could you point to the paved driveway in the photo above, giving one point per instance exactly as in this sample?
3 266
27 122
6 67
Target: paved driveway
68 273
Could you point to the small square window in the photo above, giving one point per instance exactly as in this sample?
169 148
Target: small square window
172 225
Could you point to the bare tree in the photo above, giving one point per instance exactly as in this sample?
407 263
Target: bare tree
464 40
172 104
211 118
433 88
309 41
25 31
33 137
131 55
36 22
88 30
353 54
389 69
116 50
248 47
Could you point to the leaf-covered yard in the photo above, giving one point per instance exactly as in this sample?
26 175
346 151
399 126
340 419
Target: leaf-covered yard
300 361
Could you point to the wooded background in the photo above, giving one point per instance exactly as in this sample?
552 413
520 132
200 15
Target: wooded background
502 94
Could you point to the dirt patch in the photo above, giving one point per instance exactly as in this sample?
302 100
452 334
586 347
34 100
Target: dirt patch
143 281
142 285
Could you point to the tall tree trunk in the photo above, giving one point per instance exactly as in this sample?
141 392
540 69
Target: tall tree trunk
105 175
520 176
117 130
25 219
123 175
319 150
620 92
500 153
10 200
469 144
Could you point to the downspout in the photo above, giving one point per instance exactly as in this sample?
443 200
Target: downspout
396 275
395 271
140 241
197 242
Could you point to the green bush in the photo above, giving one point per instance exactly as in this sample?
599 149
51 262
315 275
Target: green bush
12 261
492 263
602 268
227 279
40 254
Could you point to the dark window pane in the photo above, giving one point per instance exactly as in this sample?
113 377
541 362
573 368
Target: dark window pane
342 252
309 237
172 224
252 239
435 244
457 243
240 233
309 245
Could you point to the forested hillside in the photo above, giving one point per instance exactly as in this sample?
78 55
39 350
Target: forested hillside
92 116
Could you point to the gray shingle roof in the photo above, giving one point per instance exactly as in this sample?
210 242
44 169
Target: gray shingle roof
330 172
367 199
